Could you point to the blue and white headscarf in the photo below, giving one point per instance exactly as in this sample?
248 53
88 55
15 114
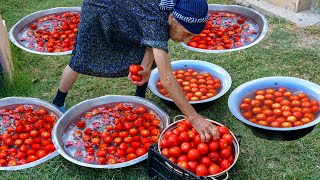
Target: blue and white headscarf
192 14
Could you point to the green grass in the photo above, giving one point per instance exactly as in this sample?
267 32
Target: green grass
286 51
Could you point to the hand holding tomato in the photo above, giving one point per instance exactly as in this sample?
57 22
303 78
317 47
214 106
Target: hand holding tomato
138 75
204 128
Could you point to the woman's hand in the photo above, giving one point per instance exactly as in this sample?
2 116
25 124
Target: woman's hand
205 128
170 83
146 64
145 74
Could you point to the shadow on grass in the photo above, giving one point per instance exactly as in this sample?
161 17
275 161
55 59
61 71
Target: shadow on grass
280 135
197 107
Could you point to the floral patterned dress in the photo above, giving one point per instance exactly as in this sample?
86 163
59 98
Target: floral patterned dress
113 34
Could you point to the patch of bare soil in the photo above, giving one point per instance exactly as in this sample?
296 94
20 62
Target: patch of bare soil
308 37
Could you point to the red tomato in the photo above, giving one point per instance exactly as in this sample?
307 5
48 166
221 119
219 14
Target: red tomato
135 145
173 140
222 143
136 78
184 137
45 135
224 164
228 137
144 133
174 152
134 69
223 130
193 44
81 124
33 26
201 170
185 147
192 166
193 154
225 153
203 148
31 158
213 169
184 165
140 152
41 153
131 156
205 160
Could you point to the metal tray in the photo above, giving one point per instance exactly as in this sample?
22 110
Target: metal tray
32 101
256 16
70 117
17 28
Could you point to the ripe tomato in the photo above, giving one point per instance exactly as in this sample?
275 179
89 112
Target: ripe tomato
193 154
185 147
201 170
228 138
81 124
144 133
131 156
184 137
41 153
101 153
203 148
193 44
45 135
224 164
223 130
174 152
136 78
184 165
102 160
205 160
140 152
213 169
173 140
225 153
31 158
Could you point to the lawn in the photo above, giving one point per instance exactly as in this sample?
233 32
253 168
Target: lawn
285 51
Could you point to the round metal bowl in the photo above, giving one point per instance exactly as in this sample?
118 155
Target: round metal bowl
11 101
256 16
296 84
70 117
214 70
27 20
236 147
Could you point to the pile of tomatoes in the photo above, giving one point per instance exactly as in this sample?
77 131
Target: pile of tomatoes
279 108
225 30
182 145
53 33
25 134
115 134
195 85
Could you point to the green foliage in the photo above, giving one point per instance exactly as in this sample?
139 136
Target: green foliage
284 52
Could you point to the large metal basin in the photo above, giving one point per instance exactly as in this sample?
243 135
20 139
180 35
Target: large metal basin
12 101
69 118
27 20
256 16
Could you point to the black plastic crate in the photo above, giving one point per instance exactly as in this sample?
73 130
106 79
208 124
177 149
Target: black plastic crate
159 169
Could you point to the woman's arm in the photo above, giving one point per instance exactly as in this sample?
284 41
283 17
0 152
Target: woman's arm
169 82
